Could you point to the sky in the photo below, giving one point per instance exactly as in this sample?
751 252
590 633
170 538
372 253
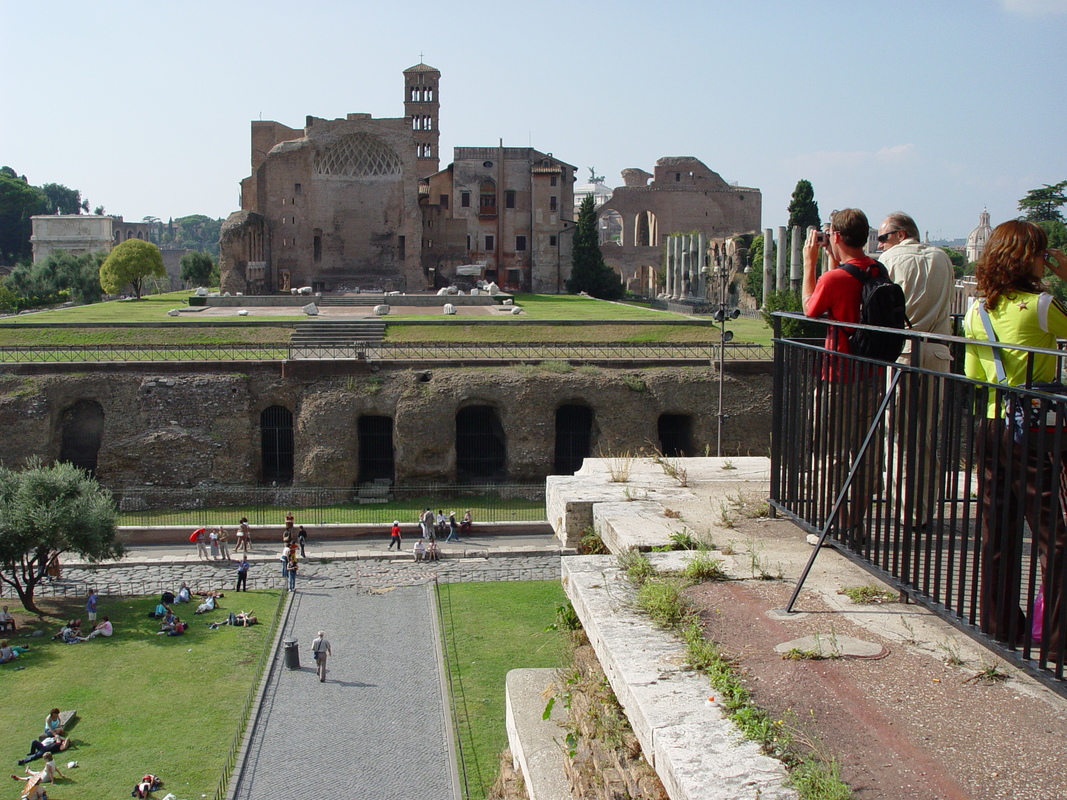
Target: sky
939 108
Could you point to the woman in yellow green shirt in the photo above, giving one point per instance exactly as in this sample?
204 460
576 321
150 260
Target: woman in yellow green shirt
1014 484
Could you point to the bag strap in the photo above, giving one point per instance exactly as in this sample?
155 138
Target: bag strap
991 335
859 274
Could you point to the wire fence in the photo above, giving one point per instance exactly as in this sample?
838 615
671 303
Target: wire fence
374 504
387 351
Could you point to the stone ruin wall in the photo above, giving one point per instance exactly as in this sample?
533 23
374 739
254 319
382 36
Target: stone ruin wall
183 428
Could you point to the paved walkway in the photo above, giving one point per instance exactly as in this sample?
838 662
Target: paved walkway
378 727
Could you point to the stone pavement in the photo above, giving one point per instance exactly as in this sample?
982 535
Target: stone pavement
378 727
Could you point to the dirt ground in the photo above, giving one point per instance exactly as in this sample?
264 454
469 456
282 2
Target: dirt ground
903 723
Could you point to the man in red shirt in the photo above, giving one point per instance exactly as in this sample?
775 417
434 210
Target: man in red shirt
845 402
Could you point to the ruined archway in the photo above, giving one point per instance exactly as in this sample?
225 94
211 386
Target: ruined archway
574 438
81 434
481 446
276 436
676 435
376 458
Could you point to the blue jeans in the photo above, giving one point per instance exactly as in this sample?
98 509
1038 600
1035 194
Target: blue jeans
292 579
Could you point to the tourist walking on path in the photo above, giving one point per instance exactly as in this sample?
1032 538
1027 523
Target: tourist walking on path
244 535
320 648
394 536
290 571
453 528
301 538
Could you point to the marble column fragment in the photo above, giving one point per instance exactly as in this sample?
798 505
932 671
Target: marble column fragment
783 252
796 272
768 265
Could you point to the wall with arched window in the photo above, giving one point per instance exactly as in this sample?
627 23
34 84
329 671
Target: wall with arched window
376 459
574 438
675 435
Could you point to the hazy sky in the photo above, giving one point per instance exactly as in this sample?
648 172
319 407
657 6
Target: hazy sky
937 107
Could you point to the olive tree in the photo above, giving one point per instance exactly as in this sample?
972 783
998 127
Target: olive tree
46 511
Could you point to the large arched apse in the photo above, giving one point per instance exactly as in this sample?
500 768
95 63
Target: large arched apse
481 448
676 435
276 428
574 436
375 449
81 432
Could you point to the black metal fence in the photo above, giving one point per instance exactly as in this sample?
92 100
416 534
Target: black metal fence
389 351
922 477
374 504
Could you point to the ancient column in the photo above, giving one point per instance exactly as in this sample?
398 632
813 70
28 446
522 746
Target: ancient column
796 273
768 265
783 254
702 258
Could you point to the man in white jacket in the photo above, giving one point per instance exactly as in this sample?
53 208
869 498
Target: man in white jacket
925 274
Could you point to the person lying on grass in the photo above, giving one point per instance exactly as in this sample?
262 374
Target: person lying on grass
47 744
47 774
241 618
211 602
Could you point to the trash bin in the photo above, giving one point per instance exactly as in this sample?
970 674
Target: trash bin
292 654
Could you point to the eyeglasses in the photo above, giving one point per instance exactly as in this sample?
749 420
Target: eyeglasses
884 237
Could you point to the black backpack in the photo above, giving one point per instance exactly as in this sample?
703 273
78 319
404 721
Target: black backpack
881 303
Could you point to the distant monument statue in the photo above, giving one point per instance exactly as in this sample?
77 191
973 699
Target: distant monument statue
593 177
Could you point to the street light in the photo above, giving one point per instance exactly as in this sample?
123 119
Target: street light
723 313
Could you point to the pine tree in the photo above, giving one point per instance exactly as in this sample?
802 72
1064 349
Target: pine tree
589 273
803 210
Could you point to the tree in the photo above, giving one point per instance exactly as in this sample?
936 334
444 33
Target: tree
803 210
959 261
754 279
18 202
589 273
48 511
63 199
196 268
1043 205
129 264
1057 233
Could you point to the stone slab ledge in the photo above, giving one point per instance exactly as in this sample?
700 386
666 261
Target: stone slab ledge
685 735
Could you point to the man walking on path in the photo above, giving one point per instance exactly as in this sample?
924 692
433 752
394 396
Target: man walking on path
320 647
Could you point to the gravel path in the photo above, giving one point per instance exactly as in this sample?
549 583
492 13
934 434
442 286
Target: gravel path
378 726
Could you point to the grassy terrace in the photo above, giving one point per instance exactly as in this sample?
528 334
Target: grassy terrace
548 318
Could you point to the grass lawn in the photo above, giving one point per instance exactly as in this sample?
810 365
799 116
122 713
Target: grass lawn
489 629
146 703
406 510
608 324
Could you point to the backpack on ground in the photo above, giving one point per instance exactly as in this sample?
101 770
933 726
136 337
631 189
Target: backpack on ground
881 303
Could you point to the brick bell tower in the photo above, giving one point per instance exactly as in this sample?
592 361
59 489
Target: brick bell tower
422 108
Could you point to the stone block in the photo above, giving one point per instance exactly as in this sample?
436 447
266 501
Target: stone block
173 312
449 308
381 311
311 310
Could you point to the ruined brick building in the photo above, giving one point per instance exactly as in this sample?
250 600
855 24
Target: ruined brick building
362 202
685 196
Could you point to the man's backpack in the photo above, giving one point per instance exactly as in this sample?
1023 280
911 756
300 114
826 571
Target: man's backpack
881 303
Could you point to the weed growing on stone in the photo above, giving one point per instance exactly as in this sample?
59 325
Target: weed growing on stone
953 656
590 543
912 637
756 565
662 600
559 367
869 595
637 567
634 494
620 466
634 383
989 673
566 620
703 567
671 467
728 464
683 540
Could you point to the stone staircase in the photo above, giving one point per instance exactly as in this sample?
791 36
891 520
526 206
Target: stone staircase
335 339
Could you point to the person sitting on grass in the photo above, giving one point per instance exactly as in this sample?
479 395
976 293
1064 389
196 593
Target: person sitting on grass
171 626
211 602
46 744
102 628
47 774
52 724
7 622
184 594
70 633
7 652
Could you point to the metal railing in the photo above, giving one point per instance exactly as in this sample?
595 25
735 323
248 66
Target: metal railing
903 470
380 504
386 351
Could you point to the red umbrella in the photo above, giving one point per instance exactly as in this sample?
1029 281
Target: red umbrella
197 532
